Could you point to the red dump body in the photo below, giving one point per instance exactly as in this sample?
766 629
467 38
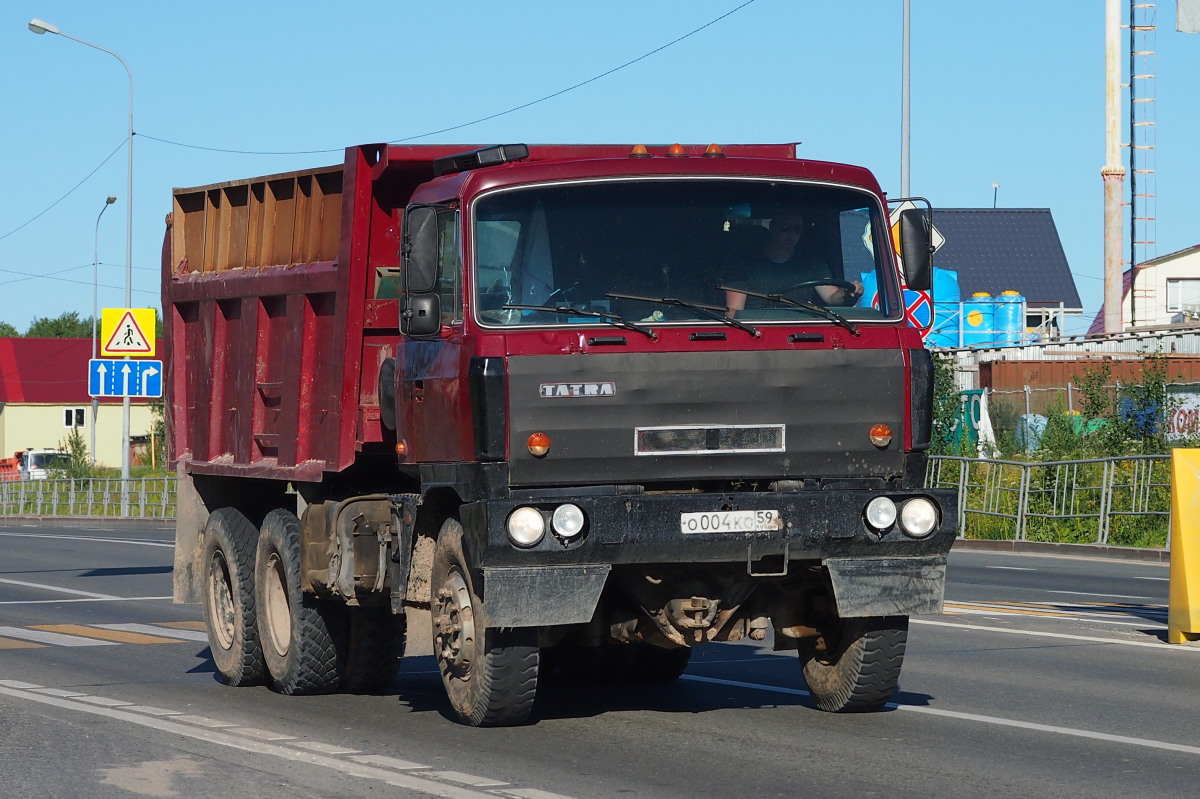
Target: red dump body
276 321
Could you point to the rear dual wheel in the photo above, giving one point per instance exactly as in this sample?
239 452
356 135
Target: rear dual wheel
227 561
303 638
490 675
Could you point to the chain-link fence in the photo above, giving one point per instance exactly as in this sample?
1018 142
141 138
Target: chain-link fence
1123 501
140 498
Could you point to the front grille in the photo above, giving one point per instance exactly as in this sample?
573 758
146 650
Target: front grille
707 440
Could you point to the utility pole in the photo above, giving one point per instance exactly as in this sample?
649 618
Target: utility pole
1113 173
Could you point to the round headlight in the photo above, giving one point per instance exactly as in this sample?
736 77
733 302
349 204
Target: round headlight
918 517
526 527
567 520
881 513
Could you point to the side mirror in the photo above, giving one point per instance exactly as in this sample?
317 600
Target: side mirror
420 249
420 314
916 249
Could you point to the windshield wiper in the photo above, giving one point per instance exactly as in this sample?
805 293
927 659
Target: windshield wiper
714 312
570 310
819 310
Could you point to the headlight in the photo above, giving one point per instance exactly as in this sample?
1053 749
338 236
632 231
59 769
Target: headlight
526 527
567 521
881 513
918 517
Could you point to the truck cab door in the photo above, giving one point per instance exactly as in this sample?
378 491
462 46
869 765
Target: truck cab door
429 376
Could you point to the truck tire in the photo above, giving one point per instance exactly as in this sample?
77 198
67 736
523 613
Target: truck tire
374 648
490 675
302 637
858 668
655 664
227 560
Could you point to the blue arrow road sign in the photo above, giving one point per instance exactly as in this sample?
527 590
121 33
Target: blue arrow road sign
110 377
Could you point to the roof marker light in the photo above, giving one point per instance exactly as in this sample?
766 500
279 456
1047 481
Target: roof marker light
677 151
714 151
639 151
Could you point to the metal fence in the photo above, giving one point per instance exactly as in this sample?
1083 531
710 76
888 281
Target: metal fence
1122 501
140 498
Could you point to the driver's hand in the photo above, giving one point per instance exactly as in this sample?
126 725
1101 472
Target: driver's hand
852 295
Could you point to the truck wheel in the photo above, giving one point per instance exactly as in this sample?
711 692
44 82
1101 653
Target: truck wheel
854 666
375 646
490 675
228 562
655 664
300 634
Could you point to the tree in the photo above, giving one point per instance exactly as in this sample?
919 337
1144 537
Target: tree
8 331
67 325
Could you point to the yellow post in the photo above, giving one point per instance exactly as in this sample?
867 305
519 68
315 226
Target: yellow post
1183 613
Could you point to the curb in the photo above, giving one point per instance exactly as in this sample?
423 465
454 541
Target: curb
1067 550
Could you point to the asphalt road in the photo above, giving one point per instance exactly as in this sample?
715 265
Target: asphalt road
1047 677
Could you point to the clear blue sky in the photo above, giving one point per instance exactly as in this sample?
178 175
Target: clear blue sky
1002 92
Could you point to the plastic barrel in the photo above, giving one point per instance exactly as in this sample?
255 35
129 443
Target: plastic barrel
979 320
1010 318
945 309
1030 427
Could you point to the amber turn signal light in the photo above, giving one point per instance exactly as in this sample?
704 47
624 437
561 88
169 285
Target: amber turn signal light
881 435
539 444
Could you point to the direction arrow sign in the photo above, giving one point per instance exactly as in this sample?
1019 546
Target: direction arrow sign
117 378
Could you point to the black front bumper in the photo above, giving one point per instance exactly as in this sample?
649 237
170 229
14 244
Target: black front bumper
873 573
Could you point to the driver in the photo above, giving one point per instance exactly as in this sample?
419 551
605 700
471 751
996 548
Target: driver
779 266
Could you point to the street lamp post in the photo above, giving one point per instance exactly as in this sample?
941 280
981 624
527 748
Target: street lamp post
112 198
41 26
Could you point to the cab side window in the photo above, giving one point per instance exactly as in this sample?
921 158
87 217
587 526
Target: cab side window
449 287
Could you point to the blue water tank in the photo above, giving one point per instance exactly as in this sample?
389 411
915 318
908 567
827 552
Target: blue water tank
1010 318
945 309
979 320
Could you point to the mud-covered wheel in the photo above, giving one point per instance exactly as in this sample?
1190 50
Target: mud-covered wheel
374 647
854 665
227 561
655 664
490 675
301 635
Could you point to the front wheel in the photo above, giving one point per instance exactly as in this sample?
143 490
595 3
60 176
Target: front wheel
490 675
854 665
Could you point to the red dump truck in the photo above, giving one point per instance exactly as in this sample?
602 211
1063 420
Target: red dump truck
565 404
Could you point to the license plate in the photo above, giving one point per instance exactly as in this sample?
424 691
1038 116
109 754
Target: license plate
731 521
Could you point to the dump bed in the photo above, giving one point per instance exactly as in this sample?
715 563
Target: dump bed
279 297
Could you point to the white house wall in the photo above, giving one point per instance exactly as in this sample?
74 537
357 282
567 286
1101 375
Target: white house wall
1151 287
25 426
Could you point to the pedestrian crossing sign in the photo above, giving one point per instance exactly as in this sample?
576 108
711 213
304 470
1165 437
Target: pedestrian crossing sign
127 332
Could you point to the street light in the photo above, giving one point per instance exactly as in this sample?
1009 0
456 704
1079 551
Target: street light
41 26
112 198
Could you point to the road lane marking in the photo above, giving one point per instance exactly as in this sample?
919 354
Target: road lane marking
954 714
1106 596
467 779
57 589
1160 579
98 631
412 782
8 643
97 599
167 544
1160 646
325 749
54 639
1012 568
387 762
158 630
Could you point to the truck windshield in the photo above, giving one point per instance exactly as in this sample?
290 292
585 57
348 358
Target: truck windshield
697 240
